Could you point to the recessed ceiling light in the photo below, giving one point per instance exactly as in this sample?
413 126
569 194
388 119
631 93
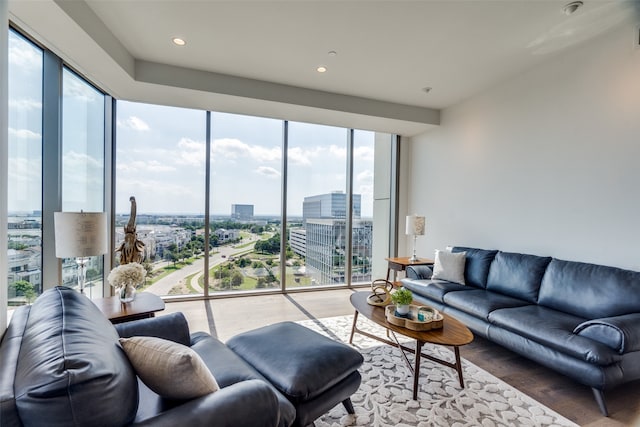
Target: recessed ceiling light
178 41
332 53
572 7
426 89
321 69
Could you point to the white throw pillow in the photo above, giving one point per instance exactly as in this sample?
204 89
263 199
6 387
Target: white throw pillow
449 266
170 369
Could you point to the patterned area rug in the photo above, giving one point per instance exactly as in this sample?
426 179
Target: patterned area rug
385 395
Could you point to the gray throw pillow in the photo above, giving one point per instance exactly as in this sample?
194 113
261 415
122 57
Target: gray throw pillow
449 266
170 369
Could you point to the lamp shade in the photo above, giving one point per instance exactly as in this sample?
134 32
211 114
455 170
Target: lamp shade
416 225
80 234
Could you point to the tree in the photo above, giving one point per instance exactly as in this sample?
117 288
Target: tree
171 256
237 279
25 289
243 262
148 268
269 246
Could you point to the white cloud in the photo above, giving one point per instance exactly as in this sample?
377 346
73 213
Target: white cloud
25 171
268 172
339 152
364 153
365 177
232 149
76 88
191 153
134 123
298 156
23 55
73 159
144 166
24 104
24 134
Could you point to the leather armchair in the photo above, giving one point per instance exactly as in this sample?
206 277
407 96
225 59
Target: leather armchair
62 365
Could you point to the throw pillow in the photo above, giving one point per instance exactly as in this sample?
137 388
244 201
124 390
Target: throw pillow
170 369
449 266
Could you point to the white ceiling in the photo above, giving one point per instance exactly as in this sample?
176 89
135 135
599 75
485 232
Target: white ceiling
387 51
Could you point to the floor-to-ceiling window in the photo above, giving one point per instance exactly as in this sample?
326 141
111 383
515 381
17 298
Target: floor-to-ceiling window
160 161
245 195
362 214
326 180
317 204
24 203
83 168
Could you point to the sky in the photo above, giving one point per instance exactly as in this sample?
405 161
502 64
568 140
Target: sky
161 157
161 153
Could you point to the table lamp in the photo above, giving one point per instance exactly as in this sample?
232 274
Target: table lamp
416 226
80 235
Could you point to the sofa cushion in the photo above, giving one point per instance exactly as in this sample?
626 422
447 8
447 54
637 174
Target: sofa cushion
433 289
517 275
477 264
553 329
449 266
228 368
480 303
71 367
172 370
590 291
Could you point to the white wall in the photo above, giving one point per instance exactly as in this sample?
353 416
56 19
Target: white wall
546 163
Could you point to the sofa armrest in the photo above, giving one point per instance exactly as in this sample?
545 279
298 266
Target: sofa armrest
173 327
420 272
621 333
250 403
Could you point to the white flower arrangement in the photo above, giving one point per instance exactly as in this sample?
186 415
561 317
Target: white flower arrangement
131 274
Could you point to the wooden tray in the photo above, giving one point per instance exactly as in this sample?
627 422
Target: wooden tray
412 321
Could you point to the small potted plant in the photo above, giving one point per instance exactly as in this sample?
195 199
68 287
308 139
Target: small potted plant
402 298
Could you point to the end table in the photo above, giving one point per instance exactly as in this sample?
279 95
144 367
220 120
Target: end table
143 306
401 264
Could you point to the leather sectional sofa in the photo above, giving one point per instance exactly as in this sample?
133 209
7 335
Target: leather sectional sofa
580 319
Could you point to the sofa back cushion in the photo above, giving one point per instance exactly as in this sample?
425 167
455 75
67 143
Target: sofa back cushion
71 369
477 265
517 275
590 291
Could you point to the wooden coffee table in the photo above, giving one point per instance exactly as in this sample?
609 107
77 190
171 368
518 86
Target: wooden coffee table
453 333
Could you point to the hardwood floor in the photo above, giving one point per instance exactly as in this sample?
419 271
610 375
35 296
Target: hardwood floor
225 318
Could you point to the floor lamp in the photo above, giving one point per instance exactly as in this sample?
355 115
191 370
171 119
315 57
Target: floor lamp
416 226
80 235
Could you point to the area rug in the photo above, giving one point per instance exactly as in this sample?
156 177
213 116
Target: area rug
385 395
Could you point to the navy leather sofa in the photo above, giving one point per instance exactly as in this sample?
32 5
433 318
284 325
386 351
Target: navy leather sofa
580 319
62 366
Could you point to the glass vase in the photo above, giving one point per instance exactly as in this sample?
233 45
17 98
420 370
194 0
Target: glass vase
127 293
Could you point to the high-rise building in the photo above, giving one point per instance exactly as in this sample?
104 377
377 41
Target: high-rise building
322 242
329 205
242 212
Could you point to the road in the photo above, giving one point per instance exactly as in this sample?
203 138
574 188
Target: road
164 285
